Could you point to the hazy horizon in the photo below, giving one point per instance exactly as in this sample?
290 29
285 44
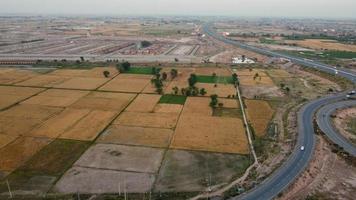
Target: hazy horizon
241 8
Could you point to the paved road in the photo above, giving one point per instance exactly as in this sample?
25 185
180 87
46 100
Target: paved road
325 123
298 160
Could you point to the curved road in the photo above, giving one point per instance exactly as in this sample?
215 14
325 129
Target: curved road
298 160
325 123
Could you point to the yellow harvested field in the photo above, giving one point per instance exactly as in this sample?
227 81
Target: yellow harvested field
229 103
104 101
82 83
325 44
208 71
6 139
197 106
44 81
259 114
56 97
168 108
58 124
129 135
21 119
144 103
10 95
214 134
279 73
153 120
69 72
127 83
18 152
89 127
222 90
98 72
14 76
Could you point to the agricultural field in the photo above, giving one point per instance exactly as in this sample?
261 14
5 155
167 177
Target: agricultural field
65 132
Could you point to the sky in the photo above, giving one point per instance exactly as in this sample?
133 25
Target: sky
246 8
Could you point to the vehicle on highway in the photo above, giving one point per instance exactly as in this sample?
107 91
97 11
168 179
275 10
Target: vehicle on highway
302 148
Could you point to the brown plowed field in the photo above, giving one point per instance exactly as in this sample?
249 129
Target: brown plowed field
144 103
127 83
153 120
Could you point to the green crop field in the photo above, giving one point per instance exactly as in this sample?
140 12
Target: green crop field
173 99
216 79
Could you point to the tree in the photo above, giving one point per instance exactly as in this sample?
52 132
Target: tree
194 91
145 44
164 76
202 91
176 59
126 65
220 105
82 58
174 73
106 74
282 85
213 100
175 90
287 89
192 80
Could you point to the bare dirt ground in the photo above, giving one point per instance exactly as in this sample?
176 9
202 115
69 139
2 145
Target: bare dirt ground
94 181
119 157
259 114
342 117
327 175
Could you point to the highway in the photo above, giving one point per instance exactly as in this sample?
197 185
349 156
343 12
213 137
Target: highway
298 160
325 123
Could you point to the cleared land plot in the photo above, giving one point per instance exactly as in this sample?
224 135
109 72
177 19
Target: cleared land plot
16 153
82 83
19 120
214 134
10 95
144 103
172 99
15 76
104 101
188 171
250 78
153 120
260 114
56 97
229 103
197 106
151 137
57 125
44 81
94 181
98 72
127 83
119 157
6 139
279 73
69 72
168 108
90 126
222 90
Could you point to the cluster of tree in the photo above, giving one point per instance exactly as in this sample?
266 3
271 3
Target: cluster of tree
122 67
191 90
214 101
106 74
257 76
283 87
158 79
235 79
145 44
